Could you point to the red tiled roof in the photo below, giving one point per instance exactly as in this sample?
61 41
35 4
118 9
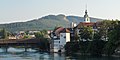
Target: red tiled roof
65 30
61 30
58 30
88 24
85 24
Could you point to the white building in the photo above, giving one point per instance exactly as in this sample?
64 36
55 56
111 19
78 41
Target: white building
73 24
59 38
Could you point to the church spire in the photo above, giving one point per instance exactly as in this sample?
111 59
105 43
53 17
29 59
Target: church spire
86 17
86 9
86 6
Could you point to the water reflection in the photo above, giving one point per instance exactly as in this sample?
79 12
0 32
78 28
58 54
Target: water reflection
31 54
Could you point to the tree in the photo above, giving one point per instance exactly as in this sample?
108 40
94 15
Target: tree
72 47
41 34
96 46
44 44
103 28
113 37
86 33
83 47
77 37
26 32
4 34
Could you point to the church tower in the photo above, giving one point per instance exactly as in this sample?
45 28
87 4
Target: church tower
86 17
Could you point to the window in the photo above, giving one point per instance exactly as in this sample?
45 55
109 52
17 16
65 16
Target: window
61 35
55 45
56 42
64 36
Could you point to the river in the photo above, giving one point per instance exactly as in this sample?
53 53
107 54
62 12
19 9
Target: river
19 54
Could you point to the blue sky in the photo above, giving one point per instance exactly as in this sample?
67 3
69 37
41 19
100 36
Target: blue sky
24 10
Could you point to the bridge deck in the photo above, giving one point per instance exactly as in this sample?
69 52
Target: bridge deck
27 41
24 43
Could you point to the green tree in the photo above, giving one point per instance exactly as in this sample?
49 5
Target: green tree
86 33
26 32
96 46
83 47
113 38
76 38
4 32
26 36
103 28
72 47
44 44
41 34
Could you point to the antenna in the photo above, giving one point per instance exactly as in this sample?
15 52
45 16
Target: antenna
86 6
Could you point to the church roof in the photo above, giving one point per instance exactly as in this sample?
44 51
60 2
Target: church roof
82 24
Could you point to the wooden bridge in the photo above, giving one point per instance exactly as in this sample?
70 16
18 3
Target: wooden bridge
33 40
26 43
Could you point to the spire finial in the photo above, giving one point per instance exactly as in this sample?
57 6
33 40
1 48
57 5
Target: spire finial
86 6
86 9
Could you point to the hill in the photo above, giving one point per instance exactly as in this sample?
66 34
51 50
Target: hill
47 22
78 19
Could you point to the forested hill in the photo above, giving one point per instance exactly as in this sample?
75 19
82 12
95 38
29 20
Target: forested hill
47 22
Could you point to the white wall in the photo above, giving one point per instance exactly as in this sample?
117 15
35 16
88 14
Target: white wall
64 37
67 37
60 43
56 45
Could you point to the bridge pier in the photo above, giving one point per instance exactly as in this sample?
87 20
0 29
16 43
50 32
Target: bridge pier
5 49
25 49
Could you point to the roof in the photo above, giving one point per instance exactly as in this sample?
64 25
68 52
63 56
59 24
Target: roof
81 24
57 31
61 30
65 30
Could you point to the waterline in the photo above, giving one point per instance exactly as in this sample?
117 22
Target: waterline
31 54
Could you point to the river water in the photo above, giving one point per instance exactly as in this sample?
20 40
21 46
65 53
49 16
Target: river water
19 54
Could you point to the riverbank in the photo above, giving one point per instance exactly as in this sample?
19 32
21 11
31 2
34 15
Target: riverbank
114 55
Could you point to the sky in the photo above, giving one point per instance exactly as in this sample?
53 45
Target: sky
25 10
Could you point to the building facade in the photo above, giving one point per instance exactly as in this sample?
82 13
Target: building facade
59 38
